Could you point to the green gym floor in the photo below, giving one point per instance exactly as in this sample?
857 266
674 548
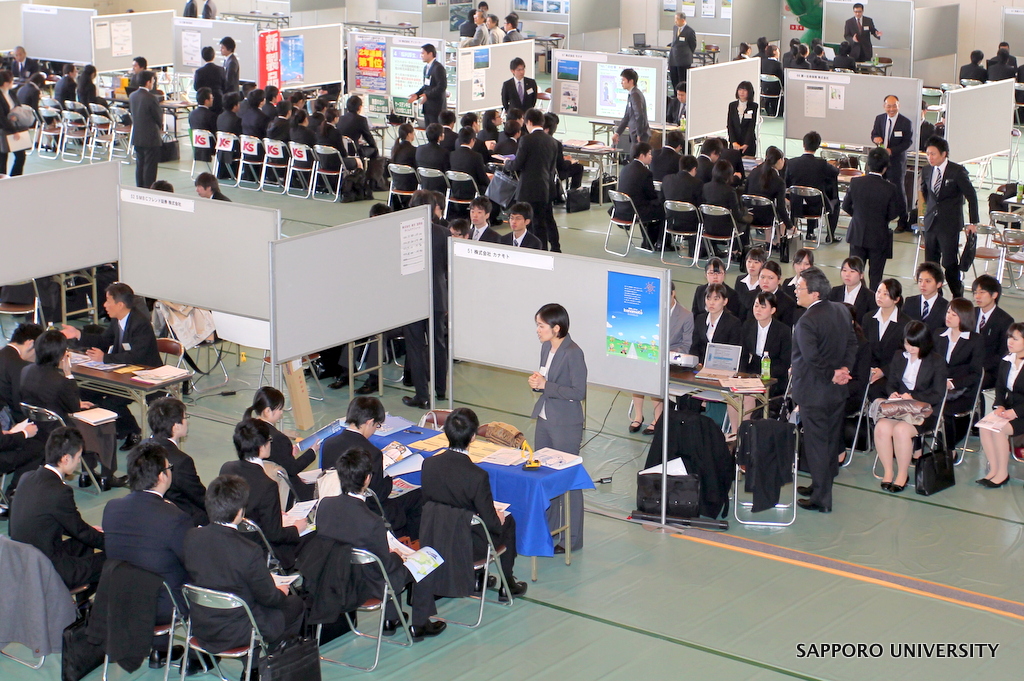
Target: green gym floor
638 602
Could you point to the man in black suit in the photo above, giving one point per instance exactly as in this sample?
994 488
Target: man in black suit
229 120
212 76
858 31
675 112
449 137
872 204
227 50
945 187
452 479
22 67
519 217
147 129
929 306
435 85
64 90
665 160
44 511
147 531
568 169
824 349
894 131
203 118
218 557
431 155
139 66
518 92
208 187
168 424
348 519
637 181
279 128
536 163
927 130
1010 60
354 125
682 47
464 160
809 170
16 355
480 209
992 324
128 339
974 70
710 153
31 91
684 184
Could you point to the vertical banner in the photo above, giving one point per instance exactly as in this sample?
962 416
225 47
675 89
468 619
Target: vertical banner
269 59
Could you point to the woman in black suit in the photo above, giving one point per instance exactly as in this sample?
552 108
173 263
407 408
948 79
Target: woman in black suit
45 383
884 331
490 127
918 373
843 59
7 126
404 151
964 353
300 131
818 60
355 126
329 136
86 91
1008 403
853 290
766 180
742 120
268 406
775 339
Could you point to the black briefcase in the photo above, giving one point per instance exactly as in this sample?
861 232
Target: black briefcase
78 656
577 200
683 498
934 472
169 151
298 660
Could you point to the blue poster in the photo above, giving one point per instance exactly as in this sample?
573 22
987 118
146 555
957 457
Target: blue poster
634 308
567 69
293 59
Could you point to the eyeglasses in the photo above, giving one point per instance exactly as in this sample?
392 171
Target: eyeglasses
169 467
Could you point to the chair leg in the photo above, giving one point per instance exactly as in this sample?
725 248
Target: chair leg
37 665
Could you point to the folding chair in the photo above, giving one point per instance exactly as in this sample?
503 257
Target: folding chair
303 167
249 526
766 80
221 600
227 144
167 630
50 131
718 225
974 416
122 131
623 203
202 140
331 169
766 220
485 563
1009 240
33 309
101 137
923 440
403 184
76 130
432 180
682 221
39 415
275 158
374 604
748 430
462 190
252 158
806 194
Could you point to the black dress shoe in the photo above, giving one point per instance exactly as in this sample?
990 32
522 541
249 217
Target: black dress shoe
994 485
369 387
84 480
413 402
478 589
517 589
805 491
431 628
559 550
887 486
441 397
158 656
195 665
896 489
811 506
391 626
130 442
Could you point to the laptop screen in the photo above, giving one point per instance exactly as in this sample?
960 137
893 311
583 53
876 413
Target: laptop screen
722 357
639 38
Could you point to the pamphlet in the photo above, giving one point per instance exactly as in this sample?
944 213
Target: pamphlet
284 580
301 509
332 428
393 424
96 416
552 458
409 464
506 456
400 487
419 563
993 421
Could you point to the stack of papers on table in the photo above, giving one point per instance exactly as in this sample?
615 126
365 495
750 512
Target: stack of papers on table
160 374
78 358
743 385
552 458
95 416
98 366
506 456
478 449
393 424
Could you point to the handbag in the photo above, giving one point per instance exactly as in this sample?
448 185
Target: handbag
683 497
79 656
934 472
296 660
577 200
970 250
169 151
502 189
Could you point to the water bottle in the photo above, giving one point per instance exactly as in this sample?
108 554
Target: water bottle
1020 192
766 367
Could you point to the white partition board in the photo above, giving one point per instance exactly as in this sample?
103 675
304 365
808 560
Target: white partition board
44 244
480 85
191 35
505 335
979 120
252 333
711 88
347 282
118 38
57 33
813 103
893 18
1013 28
587 84
323 48
929 24
192 251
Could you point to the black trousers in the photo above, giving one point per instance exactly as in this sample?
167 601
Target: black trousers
19 163
677 75
875 258
942 246
823 433
574 174
543 226
416 347
146 161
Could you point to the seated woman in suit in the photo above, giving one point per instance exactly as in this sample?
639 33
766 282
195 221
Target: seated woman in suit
356 127
764 335
716 324
742 120
328 135
719 192
300 131
766 180
843 59
884 331
268 406
964 353
918 373
404 151
853 290
490 127
747 287
1008 401
786 309
86 90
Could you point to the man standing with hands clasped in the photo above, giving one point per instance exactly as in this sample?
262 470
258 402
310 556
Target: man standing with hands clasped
894 131
684 44
824 349
435 85
858 32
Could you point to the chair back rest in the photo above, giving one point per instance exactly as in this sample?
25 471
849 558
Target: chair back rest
202 139
718 221
49 102
77 107
49 112
41 414
350 145
250 145
463 186
100 122
432 179
623 205
328 156
217 600
169 346
950 86
363 557
274 149
302 155
400 169
762 208
681 216
1011 220
226 141
768 78
806 192
99 109
434 418
74 119
969 82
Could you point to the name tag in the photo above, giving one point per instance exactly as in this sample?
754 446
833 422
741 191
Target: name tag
897 133
530 91
127 347
426 81
748 114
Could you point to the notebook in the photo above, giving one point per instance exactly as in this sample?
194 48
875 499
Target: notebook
720 361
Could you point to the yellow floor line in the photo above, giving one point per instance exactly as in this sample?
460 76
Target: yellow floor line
863 578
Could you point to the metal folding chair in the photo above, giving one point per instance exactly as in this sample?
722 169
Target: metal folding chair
40 415
331 169
974 418
403 184
201 139
301 167
432 180
810 193
462 190
767 79
711 218
76 131
485 563
227 144
275 158
922 440
252 158
762 231
738 505
221 600
622 202
273 564
682 221
177 618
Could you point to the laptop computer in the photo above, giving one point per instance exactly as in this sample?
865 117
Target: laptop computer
640 40
720 361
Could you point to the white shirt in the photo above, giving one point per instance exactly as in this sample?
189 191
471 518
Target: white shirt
56 472
256 460
930 301
1011 377
544 372
964 335
231 525
762 337
910 373
850 297
712 325
882 323
478 232
751 283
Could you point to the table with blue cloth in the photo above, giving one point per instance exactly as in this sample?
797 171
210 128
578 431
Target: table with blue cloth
528 493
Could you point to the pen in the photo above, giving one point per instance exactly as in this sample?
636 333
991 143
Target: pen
415 432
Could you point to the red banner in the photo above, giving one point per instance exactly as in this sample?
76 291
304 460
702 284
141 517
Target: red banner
269 59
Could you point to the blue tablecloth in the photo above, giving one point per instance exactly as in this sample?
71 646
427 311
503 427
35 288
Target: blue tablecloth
529 493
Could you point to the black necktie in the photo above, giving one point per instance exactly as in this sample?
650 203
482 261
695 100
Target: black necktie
981 324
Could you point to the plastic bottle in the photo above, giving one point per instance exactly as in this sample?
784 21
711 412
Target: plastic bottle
766 367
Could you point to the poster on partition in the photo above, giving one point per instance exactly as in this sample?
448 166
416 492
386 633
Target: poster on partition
121 39
371 73
569 98
707 8
458 14
192 48
611 98
405 70
688 7
293 59
634 306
